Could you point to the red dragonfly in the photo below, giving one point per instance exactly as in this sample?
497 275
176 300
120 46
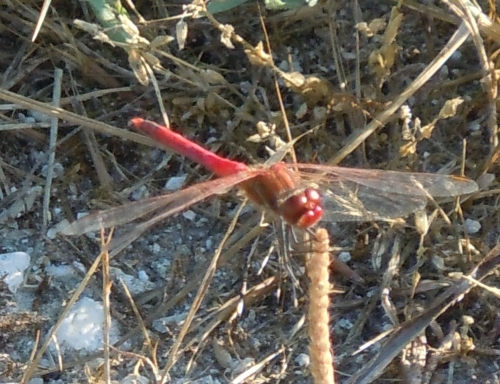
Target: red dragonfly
302 194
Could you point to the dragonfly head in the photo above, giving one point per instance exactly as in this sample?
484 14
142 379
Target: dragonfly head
302 209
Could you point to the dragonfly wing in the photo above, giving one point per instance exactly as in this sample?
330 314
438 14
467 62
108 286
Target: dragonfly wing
361 194
367 204
114 216
171 204
121 242
405 183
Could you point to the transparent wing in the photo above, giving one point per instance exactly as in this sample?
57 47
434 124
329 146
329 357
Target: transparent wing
367 204
169 204
360 195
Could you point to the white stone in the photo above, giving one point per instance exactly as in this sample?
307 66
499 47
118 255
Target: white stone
175 183
81 329
473 226
12 268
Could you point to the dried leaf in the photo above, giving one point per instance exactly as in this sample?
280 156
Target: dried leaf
450 108
96 31
408 149
258 56
128 26
225 37
159 41
222 356
377 25
212 77
312 88
263 129
151 59
182 101
294 80
90 28
316 89
211 102
200 103
421 222
382 59
426 131
139 66
393 27
181 31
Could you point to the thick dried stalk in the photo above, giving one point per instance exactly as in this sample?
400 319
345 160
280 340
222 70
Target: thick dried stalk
320 348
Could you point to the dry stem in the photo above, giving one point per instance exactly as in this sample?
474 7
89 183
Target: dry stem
320 348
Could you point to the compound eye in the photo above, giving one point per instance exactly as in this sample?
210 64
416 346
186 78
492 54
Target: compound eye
312 195
310 218
303 209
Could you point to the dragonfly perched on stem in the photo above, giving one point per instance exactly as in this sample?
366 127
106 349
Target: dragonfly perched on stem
302 194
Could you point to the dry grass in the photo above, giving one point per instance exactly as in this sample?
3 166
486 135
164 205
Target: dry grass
426 311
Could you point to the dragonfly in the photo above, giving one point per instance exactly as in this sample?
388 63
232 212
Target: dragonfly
302 194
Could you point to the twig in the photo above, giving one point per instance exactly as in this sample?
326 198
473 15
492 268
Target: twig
106 291
56 97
